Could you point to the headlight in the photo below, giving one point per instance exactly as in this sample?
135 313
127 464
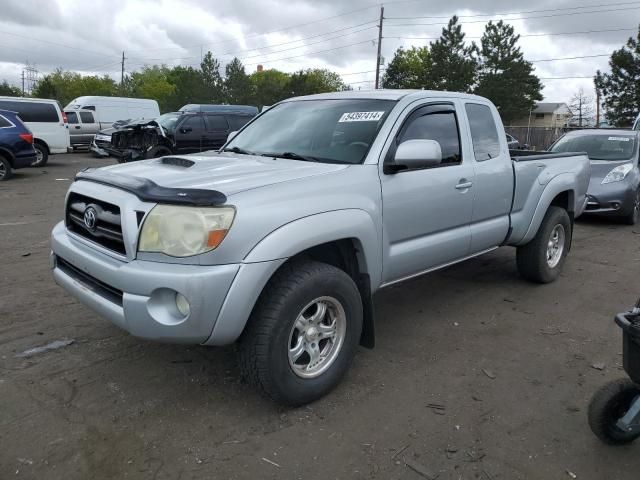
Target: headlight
618 173
184 231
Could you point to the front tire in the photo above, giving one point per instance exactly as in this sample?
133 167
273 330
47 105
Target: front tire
42 155
303 332
5 169
610 404
541 259
634 216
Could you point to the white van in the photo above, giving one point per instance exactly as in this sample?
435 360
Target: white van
111 109
47 122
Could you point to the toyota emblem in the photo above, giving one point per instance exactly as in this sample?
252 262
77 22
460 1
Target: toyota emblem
90 218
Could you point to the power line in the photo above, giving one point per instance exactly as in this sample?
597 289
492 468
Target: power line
532 34
266 33
279 44
511 19
519 13
570 58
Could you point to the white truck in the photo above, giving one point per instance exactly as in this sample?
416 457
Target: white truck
280 240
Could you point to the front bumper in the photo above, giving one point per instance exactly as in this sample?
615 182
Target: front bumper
615 198
139 296
99 151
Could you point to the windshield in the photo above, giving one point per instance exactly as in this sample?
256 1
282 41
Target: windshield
168 121
612 147
331 131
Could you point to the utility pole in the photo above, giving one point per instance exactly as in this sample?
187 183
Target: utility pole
23 82
122 74
597 107
379 56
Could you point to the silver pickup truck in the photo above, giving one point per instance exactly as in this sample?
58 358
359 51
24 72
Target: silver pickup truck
279 240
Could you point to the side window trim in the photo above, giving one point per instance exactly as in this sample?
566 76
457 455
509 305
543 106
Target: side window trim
11 124
437 106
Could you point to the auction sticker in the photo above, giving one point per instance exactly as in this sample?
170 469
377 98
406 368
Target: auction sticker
619 139
360 117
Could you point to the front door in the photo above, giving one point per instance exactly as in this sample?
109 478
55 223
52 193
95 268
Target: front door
427 213
190 134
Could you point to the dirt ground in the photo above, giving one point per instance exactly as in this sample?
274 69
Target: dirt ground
508 364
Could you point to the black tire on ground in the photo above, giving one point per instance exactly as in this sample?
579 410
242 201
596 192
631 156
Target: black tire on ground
158 152
265 342
607 406
5 169
532 257
634 216
42 151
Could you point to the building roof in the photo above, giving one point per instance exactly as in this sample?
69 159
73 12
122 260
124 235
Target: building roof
550 107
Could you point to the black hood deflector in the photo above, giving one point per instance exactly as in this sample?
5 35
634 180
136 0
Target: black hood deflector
149 191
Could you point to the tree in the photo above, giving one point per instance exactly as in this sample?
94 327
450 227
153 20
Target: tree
453 66
581 106
9 90
151 82
621 87
238 89
189 87
270 86
504 76
210 68
408 69
64 86
317 80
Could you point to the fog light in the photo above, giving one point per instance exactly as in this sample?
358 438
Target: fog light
182 304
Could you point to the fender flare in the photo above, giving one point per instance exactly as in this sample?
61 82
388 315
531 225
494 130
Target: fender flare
261 263
564 182
303 233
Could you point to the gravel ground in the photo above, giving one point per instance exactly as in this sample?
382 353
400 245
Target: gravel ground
477 374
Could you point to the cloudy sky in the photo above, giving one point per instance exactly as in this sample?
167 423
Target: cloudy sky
90 37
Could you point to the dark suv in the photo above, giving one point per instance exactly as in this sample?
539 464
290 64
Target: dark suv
195 128
16 144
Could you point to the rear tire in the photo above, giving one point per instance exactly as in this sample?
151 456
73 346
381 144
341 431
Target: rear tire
541 259
6 172
42 155
282 333
607 406
634 216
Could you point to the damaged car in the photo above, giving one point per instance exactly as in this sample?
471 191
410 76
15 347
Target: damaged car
195 129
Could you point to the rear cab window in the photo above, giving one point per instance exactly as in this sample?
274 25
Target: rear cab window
87 117
484 133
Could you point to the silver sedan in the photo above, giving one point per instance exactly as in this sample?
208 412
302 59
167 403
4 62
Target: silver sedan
614 188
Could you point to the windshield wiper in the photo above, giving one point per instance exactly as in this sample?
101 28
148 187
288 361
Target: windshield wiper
238 150
292 156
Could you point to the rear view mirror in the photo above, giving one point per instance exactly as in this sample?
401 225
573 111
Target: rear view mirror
414 154
231 135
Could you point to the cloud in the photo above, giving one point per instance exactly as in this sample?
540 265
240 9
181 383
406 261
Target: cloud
295 34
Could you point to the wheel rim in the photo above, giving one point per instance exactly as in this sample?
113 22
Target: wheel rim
555 246
317 337
636 206
3 170
39 156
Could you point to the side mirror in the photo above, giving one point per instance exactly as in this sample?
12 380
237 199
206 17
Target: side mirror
415 154
231 135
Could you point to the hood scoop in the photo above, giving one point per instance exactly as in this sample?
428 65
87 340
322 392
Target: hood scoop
149 191
178 162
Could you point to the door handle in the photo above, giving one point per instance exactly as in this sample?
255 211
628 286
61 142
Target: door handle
77 127
464 184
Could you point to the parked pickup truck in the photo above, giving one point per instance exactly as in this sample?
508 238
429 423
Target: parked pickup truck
280 239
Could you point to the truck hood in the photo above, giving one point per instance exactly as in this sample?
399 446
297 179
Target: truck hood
227 173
